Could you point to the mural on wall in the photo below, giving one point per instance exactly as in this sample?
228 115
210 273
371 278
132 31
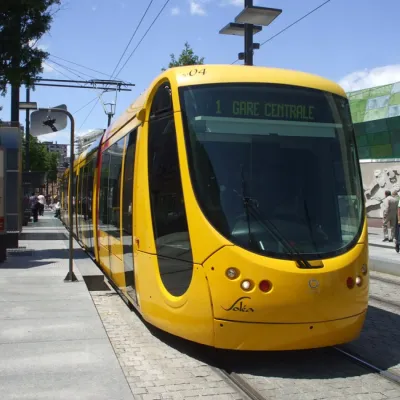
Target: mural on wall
384 179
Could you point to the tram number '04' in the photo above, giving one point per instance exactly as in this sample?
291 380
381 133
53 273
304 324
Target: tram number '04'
195 71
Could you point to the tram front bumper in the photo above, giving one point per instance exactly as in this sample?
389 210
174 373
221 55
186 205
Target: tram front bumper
272 337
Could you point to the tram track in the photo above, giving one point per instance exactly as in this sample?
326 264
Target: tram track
243 387
240 384
394 378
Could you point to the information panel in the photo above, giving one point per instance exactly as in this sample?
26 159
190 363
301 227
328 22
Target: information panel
264 102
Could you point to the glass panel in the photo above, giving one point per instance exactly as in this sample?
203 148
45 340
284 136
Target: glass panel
394 111
268 161
168 208
363 153
115 153
375 126
379 138
362 140
384 151
127 214
378 113
103 195
396 88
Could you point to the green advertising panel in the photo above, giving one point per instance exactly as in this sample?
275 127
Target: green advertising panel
376 117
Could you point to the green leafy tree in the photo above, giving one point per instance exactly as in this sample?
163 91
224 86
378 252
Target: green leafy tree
187 57
37 153
52 159
22 24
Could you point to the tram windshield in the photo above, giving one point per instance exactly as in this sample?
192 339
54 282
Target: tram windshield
274 167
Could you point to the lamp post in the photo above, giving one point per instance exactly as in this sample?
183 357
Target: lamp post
33 106
248 23
110 113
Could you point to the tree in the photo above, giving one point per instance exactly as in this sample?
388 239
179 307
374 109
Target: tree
52 166
187 57
38 155
22 22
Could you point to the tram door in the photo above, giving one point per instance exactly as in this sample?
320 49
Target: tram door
127 215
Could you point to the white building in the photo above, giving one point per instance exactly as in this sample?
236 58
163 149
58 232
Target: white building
84 141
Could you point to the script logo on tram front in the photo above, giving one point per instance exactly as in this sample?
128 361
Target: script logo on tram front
239 306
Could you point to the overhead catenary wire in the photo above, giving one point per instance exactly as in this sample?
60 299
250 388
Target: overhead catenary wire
141 40
80 65
292 24
90 102
130 40
130 56
72 70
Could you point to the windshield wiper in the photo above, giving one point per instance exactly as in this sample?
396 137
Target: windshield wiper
274 231
247 204
269 226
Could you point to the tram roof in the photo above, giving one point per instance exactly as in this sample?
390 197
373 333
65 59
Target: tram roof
214 74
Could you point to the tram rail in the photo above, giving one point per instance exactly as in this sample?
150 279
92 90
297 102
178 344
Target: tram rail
250 392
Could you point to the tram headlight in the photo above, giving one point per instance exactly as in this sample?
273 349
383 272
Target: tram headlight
232 273
246 285
358 281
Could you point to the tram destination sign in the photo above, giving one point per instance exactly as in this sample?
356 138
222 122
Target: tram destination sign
264 102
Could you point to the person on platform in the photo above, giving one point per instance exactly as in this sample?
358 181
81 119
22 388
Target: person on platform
390 206
41 201
34 205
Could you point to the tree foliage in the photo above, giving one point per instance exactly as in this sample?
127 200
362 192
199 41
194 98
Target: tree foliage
22 24
40 158
187 57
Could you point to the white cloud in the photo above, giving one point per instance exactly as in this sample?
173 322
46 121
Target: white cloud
371 77
237 3
175 11
197 7
33 44
47 67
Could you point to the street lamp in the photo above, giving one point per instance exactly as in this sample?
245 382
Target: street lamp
110 113
248 23
44 113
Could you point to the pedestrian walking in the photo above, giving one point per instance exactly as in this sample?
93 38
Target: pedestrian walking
41 201
34 205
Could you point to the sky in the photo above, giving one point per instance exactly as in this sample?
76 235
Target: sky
351 42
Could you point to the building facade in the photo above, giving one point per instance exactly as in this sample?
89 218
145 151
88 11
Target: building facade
61 149
376 118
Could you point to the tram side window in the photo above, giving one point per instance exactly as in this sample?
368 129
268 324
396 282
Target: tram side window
103 193
128 184
127 208
114 187
166 194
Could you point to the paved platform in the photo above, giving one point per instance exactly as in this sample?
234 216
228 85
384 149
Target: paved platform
382 255
53 344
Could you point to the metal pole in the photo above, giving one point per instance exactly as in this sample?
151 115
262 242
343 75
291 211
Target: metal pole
27 132
109 119
248 38
70 276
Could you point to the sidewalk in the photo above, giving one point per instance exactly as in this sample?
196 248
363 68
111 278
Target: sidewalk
52 342
382 255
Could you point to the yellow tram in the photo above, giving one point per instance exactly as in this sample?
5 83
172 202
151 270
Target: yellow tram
226 205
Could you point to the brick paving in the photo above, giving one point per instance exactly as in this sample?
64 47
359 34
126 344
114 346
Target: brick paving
379 342
154 369
158 370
